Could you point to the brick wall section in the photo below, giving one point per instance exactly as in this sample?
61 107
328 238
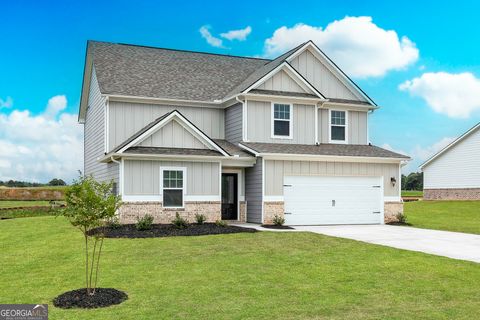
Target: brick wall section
276 208
452 194
243 212
129 212
270 209
392 209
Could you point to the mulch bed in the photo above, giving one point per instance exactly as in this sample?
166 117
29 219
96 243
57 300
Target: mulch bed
168 230
79 298
271 226
399 224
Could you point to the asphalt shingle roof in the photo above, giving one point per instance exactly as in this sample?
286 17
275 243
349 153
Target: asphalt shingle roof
173 151
164 73
347 150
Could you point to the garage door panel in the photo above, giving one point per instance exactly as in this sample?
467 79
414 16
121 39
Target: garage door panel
356 200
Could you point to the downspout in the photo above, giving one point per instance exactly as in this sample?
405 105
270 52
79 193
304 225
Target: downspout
244 119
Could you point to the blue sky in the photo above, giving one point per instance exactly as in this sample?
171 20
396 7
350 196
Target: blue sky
43 49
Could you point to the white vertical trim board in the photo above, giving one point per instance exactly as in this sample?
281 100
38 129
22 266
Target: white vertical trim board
263 189
316 124
184 187
245 122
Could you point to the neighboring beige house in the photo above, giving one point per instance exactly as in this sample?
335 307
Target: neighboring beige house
234 138
454 172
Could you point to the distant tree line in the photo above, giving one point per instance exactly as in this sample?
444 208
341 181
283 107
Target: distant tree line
414 181
25 184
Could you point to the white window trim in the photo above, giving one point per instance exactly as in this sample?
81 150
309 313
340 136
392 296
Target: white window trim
272 121
184 189
330 140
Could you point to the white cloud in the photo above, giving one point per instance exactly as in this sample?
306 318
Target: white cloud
55 105
239 35
211 40
420 154
7 103
356 44
455 94
41 147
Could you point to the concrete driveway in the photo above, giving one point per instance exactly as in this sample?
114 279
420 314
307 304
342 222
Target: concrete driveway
454 245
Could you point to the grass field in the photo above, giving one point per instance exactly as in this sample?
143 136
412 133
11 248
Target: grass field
412 193
22 204
60 188
461 216
266 275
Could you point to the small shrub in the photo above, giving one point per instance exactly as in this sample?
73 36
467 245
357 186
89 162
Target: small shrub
114 223
278 221
221 223
401 218
179 222
200 218
144 223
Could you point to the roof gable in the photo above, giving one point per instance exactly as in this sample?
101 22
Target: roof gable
475 129
157 134
173 135
310 61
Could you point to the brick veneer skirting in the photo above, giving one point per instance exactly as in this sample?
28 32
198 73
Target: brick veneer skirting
272 208
391 210
452 194
129 212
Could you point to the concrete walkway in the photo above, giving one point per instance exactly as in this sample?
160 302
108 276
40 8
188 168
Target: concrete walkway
462 246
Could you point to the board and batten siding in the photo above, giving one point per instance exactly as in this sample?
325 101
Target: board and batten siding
357 126
275 170
458 167
172 135
281 81
142 177
259 123
94 137
125 119
321 77
254 192
233 123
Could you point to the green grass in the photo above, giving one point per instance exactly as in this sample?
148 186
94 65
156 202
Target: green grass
460 216
266 275
20 203
60 188
412 193
27 212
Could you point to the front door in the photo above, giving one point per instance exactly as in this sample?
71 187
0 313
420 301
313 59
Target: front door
229 196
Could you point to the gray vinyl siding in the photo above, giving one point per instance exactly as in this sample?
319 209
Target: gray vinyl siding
254 192
173 135
127 118
94 135
321 77
233 123
281 81
142 177
275 170
259 122
357 126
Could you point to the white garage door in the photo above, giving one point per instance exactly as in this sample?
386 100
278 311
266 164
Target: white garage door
311 200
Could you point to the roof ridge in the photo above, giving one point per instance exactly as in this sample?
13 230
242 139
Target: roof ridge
180 50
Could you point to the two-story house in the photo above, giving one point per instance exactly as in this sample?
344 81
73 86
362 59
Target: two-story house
234 138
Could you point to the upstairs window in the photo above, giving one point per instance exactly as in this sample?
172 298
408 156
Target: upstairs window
173 188
338 127
282 121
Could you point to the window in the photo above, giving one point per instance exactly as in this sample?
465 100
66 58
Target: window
173 187
282 124
338 128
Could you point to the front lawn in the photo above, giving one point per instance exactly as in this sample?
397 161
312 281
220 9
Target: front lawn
263 275
412 193
22 204
460 216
